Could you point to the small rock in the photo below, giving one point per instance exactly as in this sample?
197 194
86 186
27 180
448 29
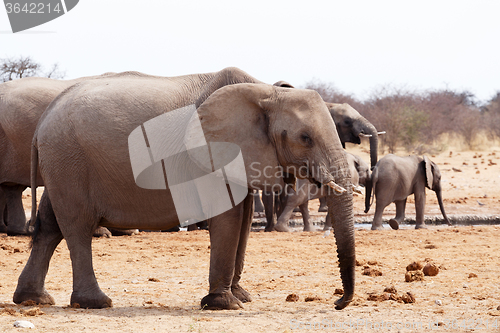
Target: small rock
414 276
390 290
466 285
371 272
292 298
372 262
430 270
23 324
135 281
312 298
472 275
152 279
360 262
339 291
498 308
414 266
32 312
379 298
408 298
438 302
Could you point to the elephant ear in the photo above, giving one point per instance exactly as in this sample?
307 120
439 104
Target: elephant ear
241 114
283 84
429 175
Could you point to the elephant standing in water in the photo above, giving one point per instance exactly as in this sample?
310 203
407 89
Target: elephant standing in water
88 172
395 178
22 103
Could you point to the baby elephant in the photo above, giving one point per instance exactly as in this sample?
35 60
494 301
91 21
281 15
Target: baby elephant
305 191
394 178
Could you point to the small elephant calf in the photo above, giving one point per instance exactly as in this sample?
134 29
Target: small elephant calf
305 191
394 178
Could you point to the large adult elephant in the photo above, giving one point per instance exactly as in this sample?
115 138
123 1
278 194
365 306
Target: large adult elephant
22 103
90 178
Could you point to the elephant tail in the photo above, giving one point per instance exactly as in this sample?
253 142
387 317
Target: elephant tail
34 172
370 188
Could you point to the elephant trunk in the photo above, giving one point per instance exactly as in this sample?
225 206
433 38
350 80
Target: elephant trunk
367 128
368 194
441 206
340 208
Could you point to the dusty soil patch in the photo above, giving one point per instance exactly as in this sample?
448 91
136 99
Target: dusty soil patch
156 280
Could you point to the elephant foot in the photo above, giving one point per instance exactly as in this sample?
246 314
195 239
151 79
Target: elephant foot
394 224
223 301
342 303
323 209
3 228
102 232
421 226
269 229
241 294
17 232
124 232
88 301
39 298
282 227
309 228
377 227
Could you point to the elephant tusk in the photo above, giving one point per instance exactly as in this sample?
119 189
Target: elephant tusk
365 135
337 188
357 189
381 133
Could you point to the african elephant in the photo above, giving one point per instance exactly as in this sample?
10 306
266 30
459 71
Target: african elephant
22 102
88 170
305 191
395 178
351 126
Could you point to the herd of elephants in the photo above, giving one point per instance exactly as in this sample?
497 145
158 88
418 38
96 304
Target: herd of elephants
71 136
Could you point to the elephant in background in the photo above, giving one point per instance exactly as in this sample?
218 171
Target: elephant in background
22 103
395 178
351 126
305 191
88 172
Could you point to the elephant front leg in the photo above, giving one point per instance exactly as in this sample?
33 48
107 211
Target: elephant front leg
225 232
323 207
268 200
400 214
236 289
304 209
419 210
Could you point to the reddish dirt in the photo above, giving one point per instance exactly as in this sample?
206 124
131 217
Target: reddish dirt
156 280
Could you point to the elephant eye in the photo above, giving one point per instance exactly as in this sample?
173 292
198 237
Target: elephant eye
306 139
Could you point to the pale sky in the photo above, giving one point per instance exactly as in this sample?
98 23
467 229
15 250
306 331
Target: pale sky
357 45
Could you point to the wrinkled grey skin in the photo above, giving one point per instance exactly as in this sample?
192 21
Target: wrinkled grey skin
22 103
395 178
88 174
305 191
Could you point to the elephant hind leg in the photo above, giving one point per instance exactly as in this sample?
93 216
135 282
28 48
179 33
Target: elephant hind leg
31 283
15 218
304 209
400 214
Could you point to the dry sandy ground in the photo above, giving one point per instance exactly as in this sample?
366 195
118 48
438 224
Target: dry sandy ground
156 280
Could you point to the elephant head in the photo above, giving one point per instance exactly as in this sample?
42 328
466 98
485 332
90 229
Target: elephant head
290 130
351 126
433 182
